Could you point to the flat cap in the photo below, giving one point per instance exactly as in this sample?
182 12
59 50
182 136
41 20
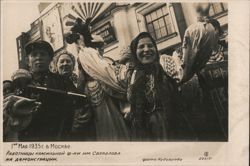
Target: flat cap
39 45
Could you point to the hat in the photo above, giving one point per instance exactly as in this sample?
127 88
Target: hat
39 45
7 81
21 73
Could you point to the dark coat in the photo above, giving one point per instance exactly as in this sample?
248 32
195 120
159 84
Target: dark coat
53 121
158 112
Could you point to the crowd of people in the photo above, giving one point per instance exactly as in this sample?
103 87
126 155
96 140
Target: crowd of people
137 98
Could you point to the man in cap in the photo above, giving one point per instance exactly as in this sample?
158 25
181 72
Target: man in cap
52 121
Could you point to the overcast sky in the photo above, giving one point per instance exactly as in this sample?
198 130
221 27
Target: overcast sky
16 18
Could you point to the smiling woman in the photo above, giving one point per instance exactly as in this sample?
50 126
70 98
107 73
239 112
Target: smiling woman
146 52
156 105
64 63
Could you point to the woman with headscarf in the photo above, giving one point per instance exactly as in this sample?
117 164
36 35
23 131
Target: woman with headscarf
156 107
83 126
64 64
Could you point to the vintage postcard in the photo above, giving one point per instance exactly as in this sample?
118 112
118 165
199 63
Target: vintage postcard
124 83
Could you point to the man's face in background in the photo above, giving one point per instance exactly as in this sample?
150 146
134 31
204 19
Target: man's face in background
39 60
7 88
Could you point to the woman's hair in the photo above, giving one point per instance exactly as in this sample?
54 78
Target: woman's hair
56 58
134 44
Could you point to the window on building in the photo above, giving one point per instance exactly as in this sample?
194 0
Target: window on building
159 23
107 33
217 8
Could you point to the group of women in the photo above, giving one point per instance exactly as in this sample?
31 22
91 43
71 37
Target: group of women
133 101
137 98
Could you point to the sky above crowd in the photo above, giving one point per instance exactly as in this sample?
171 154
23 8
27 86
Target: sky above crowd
16 18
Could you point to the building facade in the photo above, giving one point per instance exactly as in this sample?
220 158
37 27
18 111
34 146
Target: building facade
118 24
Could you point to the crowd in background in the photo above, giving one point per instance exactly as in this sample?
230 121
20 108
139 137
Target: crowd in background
144 96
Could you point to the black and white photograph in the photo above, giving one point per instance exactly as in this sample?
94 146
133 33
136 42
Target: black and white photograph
120 72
